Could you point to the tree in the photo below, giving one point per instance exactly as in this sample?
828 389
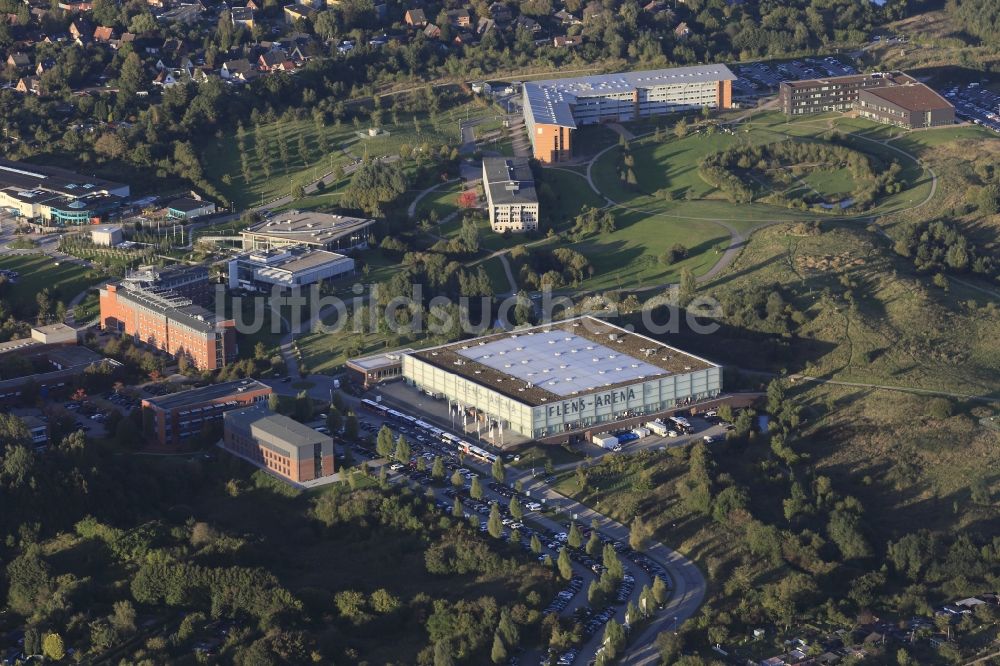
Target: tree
536 545
681 129
565 564
499 474
402 452
476 489
499 652
639 534
688 287
273 402
468 199
593 544
660 591
442 654
53 647
494 525
374 185
614 638
334 420
457 479
384 444
437 469
574 538
516 510
351 427
123 617
457 510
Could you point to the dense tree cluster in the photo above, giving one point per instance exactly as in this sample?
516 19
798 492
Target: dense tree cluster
745 173
940 246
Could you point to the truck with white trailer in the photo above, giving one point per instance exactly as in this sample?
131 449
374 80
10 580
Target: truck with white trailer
605 441
658 427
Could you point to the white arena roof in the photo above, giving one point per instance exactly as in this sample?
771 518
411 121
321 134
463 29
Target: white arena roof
560 362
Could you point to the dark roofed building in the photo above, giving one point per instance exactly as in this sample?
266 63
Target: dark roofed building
911 106
510 194
278 444
171 419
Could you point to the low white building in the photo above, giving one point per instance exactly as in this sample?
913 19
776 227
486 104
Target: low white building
108 236
286 267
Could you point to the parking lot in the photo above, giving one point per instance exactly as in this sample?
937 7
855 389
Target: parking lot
522 526
975 104
762 78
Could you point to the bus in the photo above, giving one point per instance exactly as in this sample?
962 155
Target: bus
448 438
480 454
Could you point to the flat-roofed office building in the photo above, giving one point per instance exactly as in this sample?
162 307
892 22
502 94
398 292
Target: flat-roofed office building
320 231
510 194
911 106
833 93
169 420
554 108
277 443
563 377
286 267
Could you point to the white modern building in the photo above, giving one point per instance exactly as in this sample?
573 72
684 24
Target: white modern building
107 235
286 267
563 377
553 109
322 231
510 194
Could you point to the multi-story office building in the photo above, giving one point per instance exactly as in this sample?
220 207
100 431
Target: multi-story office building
286 267
320 231
510 194
57 196
169 322
835 93
170 419
911 106
278 444
553 109
564 377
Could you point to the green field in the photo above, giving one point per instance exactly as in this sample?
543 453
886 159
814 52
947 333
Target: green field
440 203
64 280
325 147
629 256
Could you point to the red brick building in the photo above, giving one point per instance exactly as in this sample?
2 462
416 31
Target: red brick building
170 419
169 322
278 444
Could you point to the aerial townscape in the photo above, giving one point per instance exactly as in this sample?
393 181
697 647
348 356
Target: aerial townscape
482 332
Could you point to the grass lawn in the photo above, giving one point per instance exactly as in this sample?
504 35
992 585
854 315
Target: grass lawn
440 203
325 146
832 184
628 257
572 194
497 275
64 280
537 456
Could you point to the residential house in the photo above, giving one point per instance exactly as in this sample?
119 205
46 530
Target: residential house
567 41
166 78
44 66
415 18
501 13
314 4
565 18
126 38
295 13
237 70
104 34
29 84
345 47
464 38
80 30
19 61
484 26
432 31
271 60
460 18
592 11
524 23
242 16
682 31
254 6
